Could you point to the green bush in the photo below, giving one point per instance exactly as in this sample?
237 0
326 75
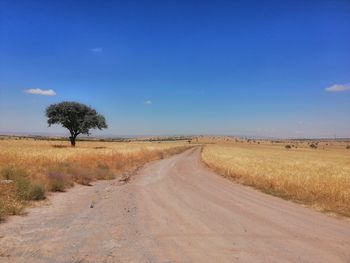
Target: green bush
37 192
25 188
11 172
6 173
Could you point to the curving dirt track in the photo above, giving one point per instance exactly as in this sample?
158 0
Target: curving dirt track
173 210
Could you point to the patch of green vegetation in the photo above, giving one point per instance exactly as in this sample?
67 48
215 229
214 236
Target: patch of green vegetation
26 189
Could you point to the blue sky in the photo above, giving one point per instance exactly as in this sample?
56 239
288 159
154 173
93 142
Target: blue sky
255 68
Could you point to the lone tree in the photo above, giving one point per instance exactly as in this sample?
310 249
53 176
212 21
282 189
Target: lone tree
76 117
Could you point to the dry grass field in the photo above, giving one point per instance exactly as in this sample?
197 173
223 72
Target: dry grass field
29 168
316 177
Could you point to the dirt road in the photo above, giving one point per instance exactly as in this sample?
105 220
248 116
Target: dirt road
174 210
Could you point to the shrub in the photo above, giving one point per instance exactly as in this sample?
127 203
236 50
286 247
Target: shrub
2 210
10 207
79 174
313 146
103 172
84 179
58 177
288 146
63 175
10 203
6 173
37 192
58 182
347 146
11 173
25 188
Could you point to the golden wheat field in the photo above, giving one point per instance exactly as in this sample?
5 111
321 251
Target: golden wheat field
35 155
30 168
317 177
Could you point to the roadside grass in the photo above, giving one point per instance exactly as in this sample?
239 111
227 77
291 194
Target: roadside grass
316 177
30 169
26 189
10 204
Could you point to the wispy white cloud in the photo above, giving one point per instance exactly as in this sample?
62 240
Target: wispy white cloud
148 102
97 49
338 88
43 92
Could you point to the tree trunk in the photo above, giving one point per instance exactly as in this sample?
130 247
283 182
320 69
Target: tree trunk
72 140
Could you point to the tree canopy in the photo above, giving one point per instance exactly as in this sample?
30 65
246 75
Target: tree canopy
76 117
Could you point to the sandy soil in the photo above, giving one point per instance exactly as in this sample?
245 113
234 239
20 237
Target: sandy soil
173 210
